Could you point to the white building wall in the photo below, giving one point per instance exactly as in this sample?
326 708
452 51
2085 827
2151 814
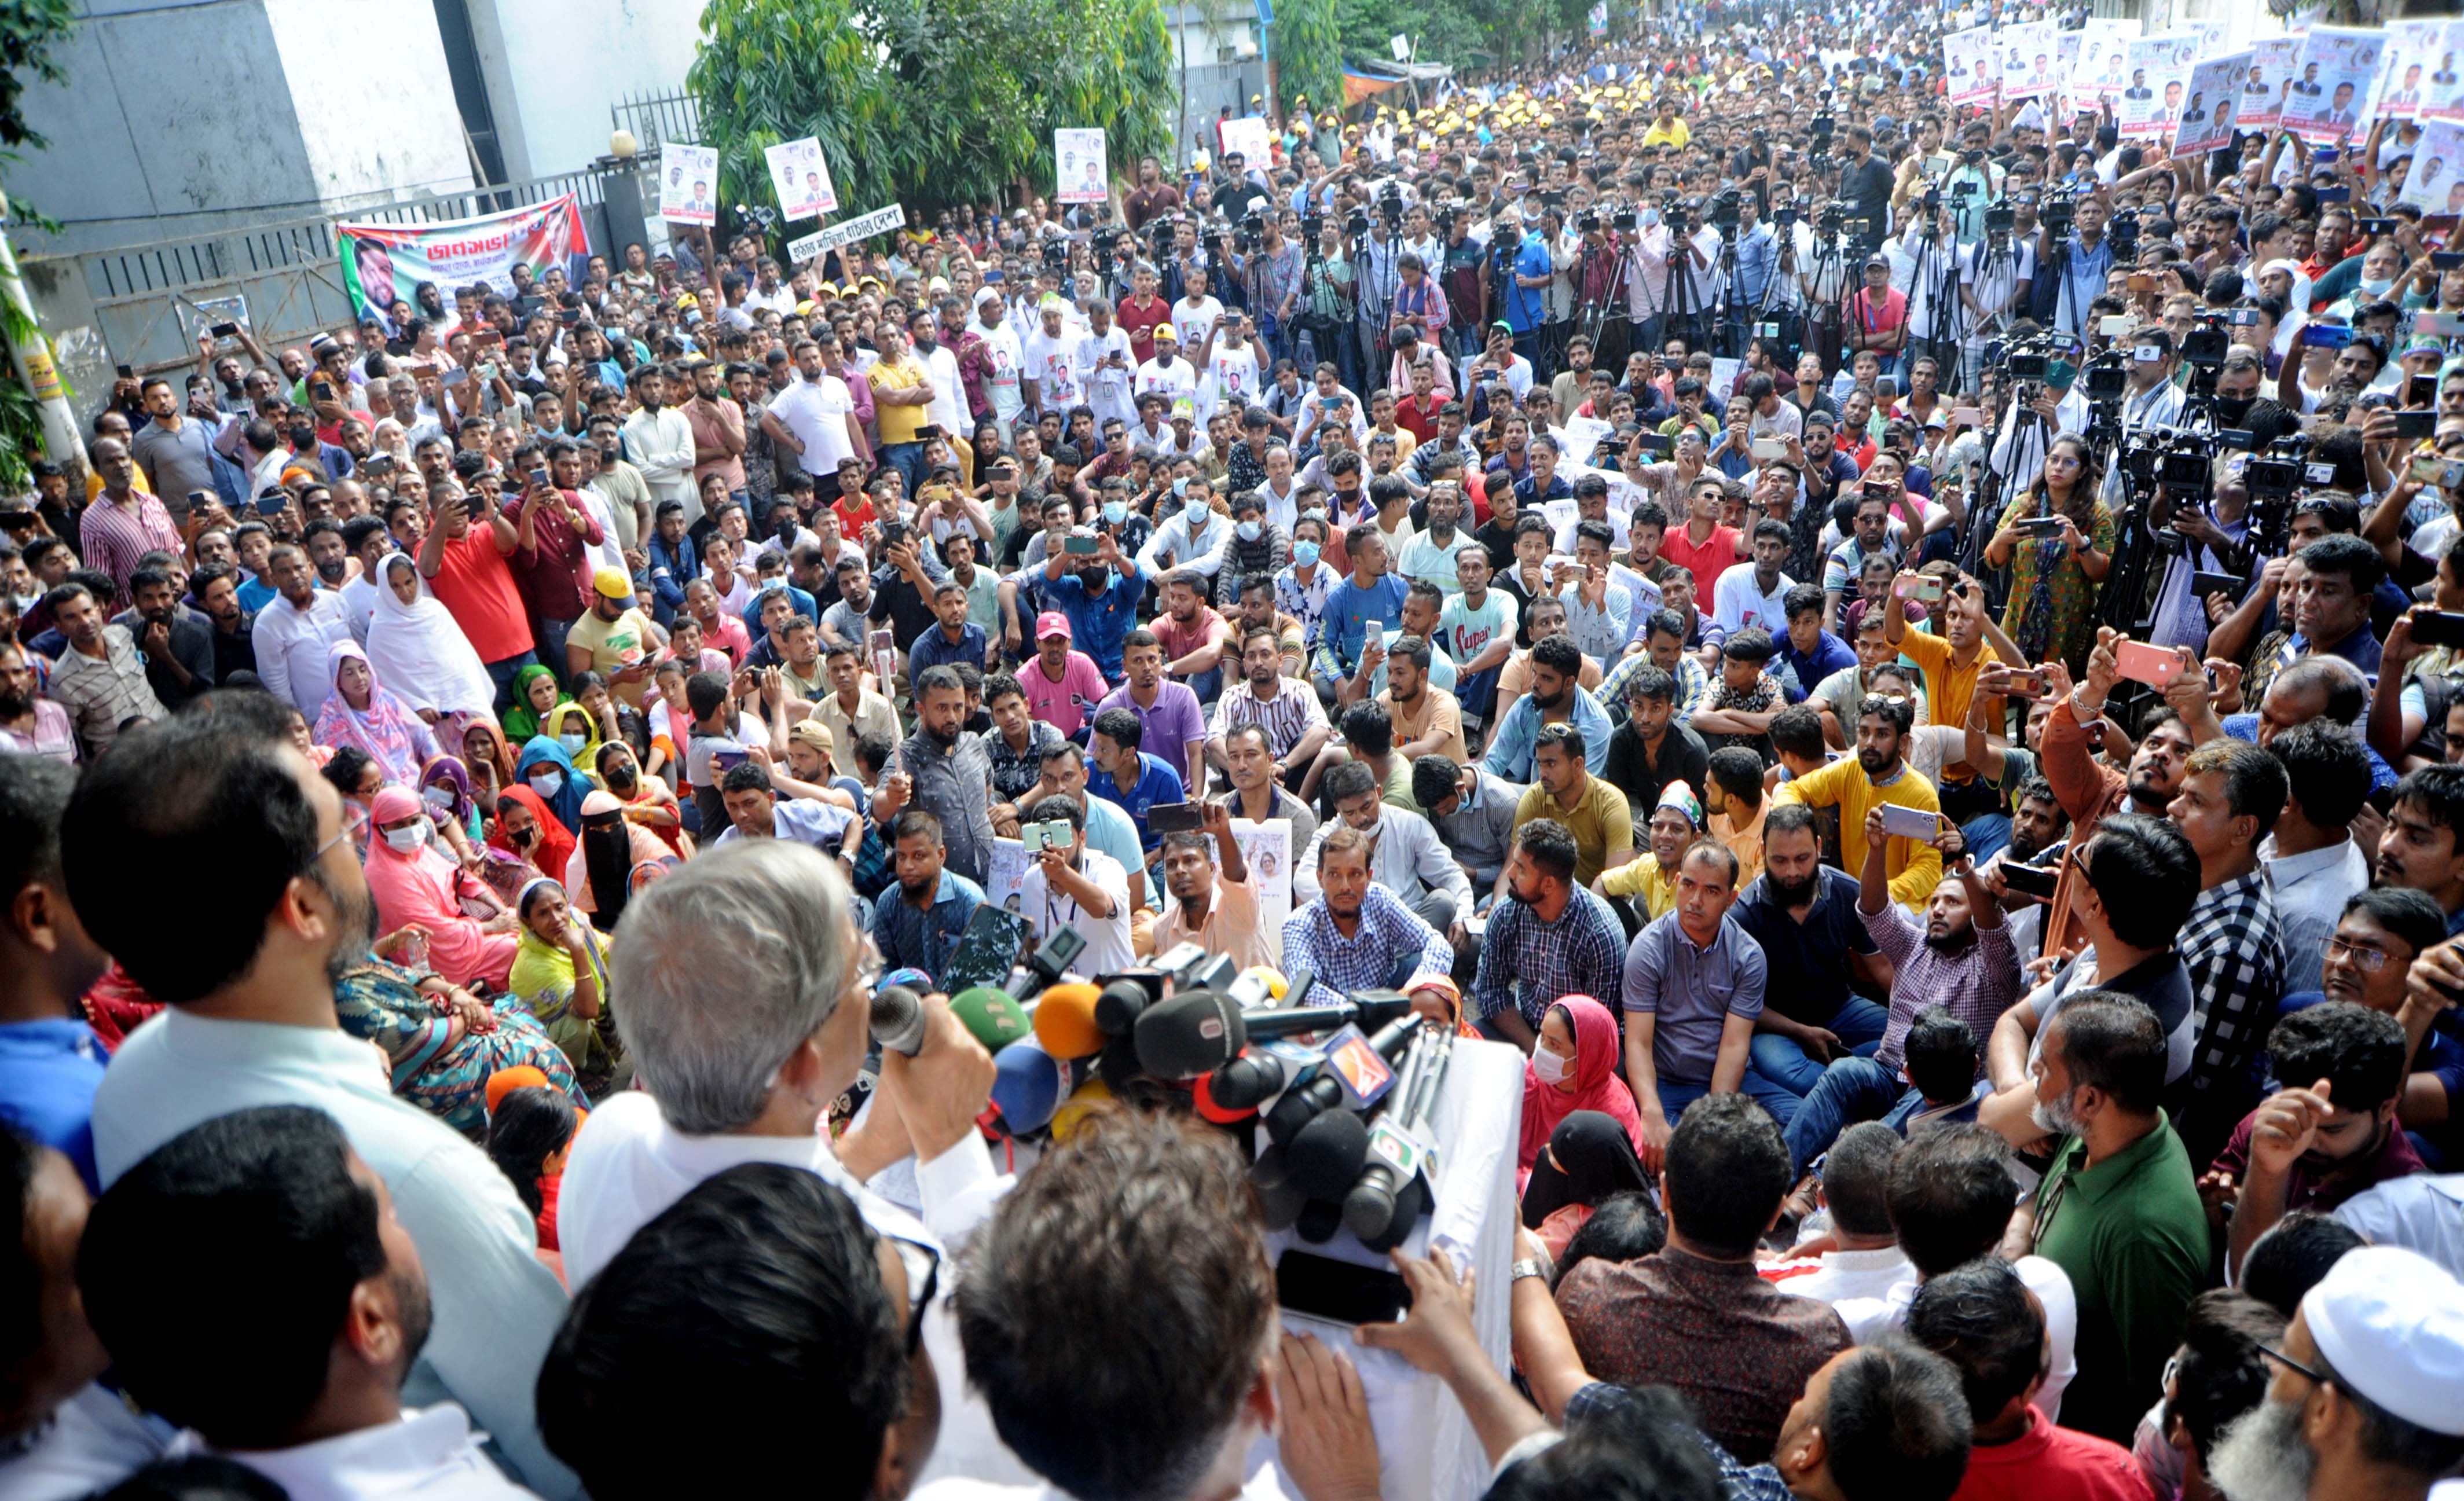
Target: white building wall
554 67
187 119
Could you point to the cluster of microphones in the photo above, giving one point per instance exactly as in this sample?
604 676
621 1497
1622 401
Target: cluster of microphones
1347 1091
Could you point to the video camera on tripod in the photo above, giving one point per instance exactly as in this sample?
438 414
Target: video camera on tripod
2055 212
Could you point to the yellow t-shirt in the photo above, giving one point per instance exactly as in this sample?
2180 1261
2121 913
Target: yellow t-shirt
898 423
1675 135
1645 882
1600 821
1915 868
1950 690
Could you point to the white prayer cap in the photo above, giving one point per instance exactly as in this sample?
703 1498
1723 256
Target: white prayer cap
2391 1322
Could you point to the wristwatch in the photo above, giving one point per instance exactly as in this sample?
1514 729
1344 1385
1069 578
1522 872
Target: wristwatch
1526 1268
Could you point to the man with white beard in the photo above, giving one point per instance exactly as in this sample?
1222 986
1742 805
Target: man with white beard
2368 1399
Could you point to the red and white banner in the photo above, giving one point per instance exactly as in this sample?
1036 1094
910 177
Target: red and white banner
386 263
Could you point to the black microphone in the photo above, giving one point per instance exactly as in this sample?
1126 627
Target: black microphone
1202 1030
1376 1202
1321 1091
898 1019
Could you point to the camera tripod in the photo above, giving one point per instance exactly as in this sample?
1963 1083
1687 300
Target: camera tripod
1824 331
1609 311
1682 313
1937 275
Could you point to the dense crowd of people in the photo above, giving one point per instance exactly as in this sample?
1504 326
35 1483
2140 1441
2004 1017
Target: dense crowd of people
1908 657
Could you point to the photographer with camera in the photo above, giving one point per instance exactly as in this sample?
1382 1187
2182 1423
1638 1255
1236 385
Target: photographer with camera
1865 187
2076 254
1520 269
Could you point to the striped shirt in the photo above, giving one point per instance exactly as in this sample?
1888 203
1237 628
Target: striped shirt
111 537
1292 713
102 693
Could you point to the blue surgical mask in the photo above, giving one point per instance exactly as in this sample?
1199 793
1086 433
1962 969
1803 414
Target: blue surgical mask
1304 553
1115 512
1180 486
1647 218
547 784
1250 531
573 743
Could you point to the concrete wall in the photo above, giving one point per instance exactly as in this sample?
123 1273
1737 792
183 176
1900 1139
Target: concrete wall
191 115
555 66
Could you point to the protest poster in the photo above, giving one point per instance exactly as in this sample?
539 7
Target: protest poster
2097 75
1078 173
2160 73
2404 69
1004 872
2272 62
800 180
688 184
2066 57
2207 122
2339 64
1968 61
2436 184
1249 135
2026 52
386 263
1267 848
2442 87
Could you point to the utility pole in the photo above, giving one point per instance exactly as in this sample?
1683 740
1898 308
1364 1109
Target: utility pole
32 355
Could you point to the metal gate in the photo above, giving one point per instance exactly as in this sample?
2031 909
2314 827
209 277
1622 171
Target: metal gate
146 304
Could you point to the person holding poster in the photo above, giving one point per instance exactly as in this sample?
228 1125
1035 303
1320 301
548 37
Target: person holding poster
2207 122
1078 166
800 179
688 181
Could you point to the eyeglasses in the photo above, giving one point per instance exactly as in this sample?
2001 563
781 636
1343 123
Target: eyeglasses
2281 1359
2367 960
923 1265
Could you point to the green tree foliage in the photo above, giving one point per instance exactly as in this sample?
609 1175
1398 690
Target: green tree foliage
928 103
1463 32
1309 53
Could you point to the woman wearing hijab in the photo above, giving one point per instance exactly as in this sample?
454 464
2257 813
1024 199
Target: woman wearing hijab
548 771
535 694
561 977
611 846
413 886
1573 1067
445 786
414 642
445 1042
573 728
528 830
362 712
649 802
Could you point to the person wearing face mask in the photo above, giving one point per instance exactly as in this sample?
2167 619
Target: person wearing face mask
1195 539
415 886
547 768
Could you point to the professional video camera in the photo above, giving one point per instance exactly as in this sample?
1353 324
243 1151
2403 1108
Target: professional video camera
1389 203
2055 212
1506 235
1357 225
1722 211
1621 218
2029 360
1159 241
1824 125
1106 240
1999 217
1055 249
2181 459
2123 230
1311 224
1250 233
2106 375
